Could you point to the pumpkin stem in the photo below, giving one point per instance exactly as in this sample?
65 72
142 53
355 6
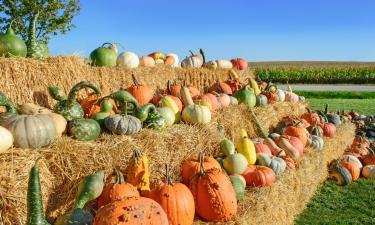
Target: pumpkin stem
169 89
168 178
326 109
137 153
135 81
201 160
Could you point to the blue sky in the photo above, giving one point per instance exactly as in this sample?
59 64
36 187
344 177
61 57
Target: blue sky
257 30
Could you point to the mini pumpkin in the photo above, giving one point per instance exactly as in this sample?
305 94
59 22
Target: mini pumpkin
259 176
221 87
194 114
141 92
6 139
369 171
123 124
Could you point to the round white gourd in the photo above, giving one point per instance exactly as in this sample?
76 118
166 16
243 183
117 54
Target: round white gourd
128 60
6 139
224 64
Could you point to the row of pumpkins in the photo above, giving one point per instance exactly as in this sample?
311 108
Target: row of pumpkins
360 156
107 55
210 188
125 112
11 45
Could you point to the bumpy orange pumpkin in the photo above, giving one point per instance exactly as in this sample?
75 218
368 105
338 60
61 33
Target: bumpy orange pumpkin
176 200
191 166
214 196
311 117
141 92
259 176
117 190
137 210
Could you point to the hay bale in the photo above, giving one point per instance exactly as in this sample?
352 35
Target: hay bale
26 80
66 161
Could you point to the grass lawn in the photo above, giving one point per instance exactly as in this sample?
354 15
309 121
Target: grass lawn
332 204
337 94
362 106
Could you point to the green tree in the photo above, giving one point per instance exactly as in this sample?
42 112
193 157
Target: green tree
37 20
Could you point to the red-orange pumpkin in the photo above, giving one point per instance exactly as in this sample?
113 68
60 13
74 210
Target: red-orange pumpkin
258 176
191 166
297 143
214 196
368 159
260 147
116 190
176 200
137 210
141 92
239 63
311 117
290 163
329 130
234 84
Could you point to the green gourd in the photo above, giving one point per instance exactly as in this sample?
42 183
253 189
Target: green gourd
238 187
11 109
75 217
41 50
246 96
168 115
154 120
89 189
35 212
142 112
105 110
11 45
84 129
235 163
70 109
57 93
226 145
104 56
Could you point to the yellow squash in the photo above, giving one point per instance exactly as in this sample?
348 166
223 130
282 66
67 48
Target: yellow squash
167 101
246 147
138 171
254 86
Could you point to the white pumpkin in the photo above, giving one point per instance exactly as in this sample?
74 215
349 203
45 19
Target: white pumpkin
212 65
176 62
191 62
291 97
281 94
6 139
128 60
224 64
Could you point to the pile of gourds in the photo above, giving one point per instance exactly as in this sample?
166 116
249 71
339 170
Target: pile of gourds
107 55
359 159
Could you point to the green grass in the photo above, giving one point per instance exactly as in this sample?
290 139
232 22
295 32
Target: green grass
332 204
362 106
337 94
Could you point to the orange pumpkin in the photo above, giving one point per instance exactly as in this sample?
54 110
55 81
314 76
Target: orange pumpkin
360 141
214 196
297 143
117 190
176 200
221 87
352 167
211 98
290 163
141 92
368 159
91 105
260 147
299 132
174 89
258 176
191 166
137 210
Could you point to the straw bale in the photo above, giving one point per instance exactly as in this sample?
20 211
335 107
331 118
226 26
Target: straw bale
26 80
66 161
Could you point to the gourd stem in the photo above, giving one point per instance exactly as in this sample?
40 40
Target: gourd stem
137 153
72 96
107 43
326 109
119 177
203 55
201 160
168 178
135 81
126 109
169 90
191 52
